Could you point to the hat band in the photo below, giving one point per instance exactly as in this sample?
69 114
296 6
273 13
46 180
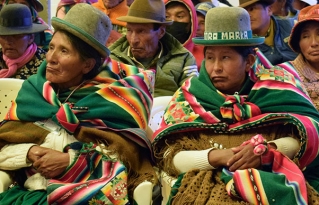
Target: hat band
231 35
146 15
16 22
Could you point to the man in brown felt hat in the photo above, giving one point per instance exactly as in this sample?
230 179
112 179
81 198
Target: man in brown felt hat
275 30
148 46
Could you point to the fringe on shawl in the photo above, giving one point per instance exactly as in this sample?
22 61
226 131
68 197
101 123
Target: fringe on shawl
201 186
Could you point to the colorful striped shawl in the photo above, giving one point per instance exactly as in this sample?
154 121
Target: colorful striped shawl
104 102
270 95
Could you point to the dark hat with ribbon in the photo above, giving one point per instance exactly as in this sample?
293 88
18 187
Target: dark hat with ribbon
17 19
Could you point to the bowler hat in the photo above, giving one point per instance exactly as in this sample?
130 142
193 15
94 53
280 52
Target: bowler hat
17 19
309 13
232 29
87 23
203 7
245 3
146 11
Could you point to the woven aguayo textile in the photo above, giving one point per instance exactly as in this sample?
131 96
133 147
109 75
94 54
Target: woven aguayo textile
107 110
271 98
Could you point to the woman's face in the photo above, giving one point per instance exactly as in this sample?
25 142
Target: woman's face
226 68
65 67
309 42
14 46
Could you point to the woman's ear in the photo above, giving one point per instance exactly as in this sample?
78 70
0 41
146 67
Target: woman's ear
30 39
88 65
250 60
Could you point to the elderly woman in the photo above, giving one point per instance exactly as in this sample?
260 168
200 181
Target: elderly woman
304 39
70 134
239 125
19 55
42 39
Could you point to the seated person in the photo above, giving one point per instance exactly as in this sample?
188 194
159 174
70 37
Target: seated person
184 27
275 30
148 46
69 136
42 39
304 40
284 9
239 133
20 57
201 11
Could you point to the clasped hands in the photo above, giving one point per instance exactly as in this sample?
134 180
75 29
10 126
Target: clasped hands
48 162
236 158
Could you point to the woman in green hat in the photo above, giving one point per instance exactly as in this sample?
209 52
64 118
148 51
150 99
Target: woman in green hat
69 136
242 132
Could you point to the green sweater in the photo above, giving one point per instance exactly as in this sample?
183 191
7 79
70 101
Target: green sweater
174 66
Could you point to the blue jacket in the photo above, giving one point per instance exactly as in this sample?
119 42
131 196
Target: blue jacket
281 52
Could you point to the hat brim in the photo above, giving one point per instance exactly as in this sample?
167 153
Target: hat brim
229 42
201 12
58 23
38 5
22 30
248 3
132 19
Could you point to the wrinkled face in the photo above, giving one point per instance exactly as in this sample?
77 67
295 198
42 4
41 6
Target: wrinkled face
14 46
259 18
143 39
65 67
111 3
309 42
226 68
178 13
201 25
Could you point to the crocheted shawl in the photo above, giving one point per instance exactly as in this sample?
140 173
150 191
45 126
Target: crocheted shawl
269 95
104 102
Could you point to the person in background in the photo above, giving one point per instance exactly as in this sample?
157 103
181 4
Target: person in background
304 39
69 136
284 9
201 11
65 5
114 9
184 27
20 57
147 45
42 39
239 133
300 4
275 30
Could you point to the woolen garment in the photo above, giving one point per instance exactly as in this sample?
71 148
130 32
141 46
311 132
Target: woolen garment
106 109
281 51
29 68
271 98
172 69
309 78
119 10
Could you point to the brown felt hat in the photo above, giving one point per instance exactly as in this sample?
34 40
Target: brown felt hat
146 11
89 24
